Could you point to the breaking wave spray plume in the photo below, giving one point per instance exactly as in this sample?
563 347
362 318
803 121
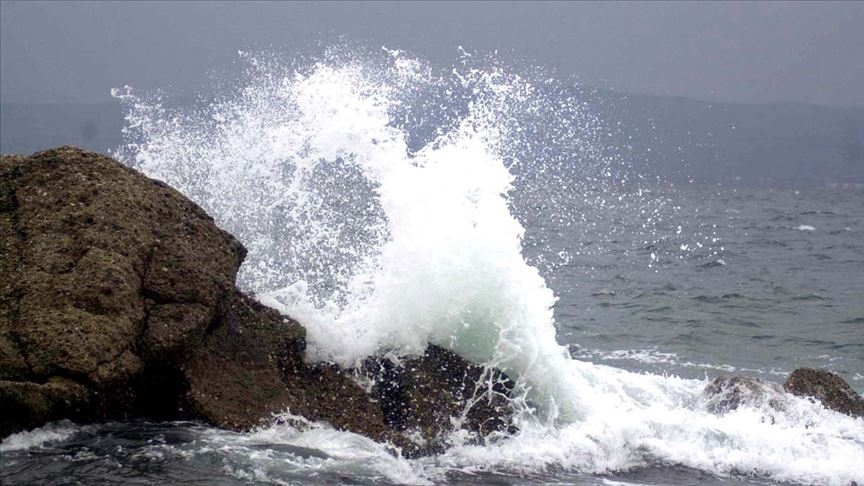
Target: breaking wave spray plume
376 195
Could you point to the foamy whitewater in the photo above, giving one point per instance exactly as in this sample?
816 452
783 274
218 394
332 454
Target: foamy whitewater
375 194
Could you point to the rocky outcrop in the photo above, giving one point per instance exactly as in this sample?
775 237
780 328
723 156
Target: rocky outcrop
726 393
826 387
118 300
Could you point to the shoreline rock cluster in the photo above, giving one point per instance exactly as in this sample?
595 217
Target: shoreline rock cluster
118 301
726 393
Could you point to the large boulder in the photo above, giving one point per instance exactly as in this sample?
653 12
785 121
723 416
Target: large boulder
110 282
118 300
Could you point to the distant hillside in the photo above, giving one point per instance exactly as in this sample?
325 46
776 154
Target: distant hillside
680 140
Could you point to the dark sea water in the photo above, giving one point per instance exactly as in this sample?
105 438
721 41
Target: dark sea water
387 206
778 284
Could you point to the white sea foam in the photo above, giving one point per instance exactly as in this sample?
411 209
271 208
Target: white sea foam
374 196
655 357
38 437
756 440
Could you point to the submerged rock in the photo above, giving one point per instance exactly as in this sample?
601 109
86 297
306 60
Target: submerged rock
826 387
118 300
726 393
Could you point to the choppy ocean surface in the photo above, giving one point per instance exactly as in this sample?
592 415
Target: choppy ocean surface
388 205
780 288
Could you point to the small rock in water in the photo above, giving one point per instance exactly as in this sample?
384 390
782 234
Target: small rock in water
828 388
727 393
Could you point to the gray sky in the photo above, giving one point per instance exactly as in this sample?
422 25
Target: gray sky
750 52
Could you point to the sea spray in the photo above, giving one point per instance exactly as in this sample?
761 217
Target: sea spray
376 196
376 246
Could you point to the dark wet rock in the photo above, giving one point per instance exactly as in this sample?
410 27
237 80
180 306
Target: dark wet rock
27 404
118 300
439 392
726 393
263 372
826 387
